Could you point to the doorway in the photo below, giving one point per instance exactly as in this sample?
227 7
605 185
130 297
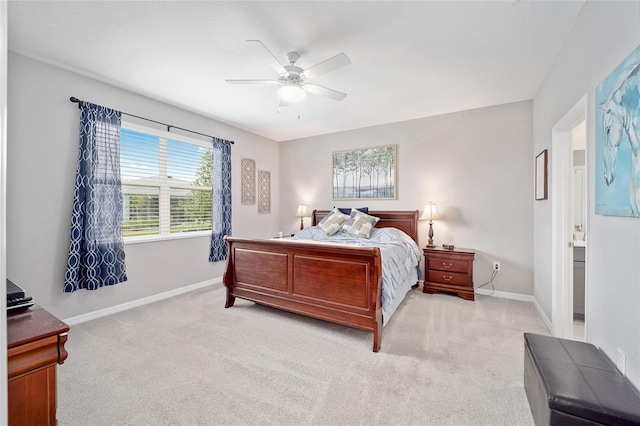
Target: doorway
579 238
569 198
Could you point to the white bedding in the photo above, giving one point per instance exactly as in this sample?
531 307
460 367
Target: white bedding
400 258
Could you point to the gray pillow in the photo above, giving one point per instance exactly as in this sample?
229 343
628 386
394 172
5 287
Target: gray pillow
360 224
332 222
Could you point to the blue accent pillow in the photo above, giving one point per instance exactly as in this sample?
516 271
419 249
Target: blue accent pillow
348 210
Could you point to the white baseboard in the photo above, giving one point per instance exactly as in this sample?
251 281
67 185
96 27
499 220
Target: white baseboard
520 297
140 302
544 317
505 295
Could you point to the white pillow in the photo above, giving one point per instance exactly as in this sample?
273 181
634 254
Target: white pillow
333 221
360 224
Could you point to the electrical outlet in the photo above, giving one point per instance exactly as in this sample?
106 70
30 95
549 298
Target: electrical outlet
622 360
496 266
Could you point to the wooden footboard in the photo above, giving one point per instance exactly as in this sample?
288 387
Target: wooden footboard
332 283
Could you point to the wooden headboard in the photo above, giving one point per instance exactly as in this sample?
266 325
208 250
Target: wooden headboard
404 220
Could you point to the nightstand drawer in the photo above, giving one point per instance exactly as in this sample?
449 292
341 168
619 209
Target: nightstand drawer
449 265
451 278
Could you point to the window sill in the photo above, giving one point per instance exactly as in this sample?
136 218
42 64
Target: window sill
177 236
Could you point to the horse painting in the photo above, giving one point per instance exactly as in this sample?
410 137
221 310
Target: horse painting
620 113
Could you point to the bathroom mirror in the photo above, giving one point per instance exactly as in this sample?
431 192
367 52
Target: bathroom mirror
579 195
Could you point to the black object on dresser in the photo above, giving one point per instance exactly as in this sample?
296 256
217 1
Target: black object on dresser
17 300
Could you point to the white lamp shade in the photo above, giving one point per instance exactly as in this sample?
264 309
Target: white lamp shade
302 211
291 93
430 212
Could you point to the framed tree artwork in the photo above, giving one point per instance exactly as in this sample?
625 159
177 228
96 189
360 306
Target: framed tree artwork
365 174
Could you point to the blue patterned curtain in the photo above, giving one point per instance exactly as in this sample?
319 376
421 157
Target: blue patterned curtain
96 251
221 214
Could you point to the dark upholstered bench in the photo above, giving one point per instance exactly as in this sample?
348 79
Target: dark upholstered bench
575 383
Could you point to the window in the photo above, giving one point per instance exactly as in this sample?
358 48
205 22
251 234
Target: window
166 183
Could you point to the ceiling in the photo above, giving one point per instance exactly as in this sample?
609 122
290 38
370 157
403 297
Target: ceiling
408 59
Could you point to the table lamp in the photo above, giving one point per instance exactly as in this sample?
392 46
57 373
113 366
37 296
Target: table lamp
431 213
302 213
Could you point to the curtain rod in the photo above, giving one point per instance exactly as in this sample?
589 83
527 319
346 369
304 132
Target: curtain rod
169 126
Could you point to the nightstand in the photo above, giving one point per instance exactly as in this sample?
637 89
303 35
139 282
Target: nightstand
449 270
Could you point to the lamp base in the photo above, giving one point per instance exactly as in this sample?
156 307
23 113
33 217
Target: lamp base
430 241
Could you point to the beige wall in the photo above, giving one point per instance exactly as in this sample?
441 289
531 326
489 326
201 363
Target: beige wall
42 155
476 165
604 34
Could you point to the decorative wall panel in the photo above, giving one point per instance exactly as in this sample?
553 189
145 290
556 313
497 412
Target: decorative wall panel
264 191
248 181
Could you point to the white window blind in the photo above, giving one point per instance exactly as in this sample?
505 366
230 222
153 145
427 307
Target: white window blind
166 184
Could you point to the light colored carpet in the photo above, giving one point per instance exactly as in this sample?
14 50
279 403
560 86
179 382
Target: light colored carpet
189 361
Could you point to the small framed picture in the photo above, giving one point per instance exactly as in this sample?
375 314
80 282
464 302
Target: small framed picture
541 176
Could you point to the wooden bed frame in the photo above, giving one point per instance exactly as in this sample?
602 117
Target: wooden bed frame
332 283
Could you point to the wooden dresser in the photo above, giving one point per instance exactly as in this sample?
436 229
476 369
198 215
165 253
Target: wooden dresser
35 345
449 270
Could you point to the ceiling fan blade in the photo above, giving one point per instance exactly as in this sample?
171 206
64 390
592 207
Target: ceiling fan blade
323 91
272 82
274 62
333 63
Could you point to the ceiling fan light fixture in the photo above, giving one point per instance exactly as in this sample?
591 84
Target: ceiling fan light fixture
293 81
291 93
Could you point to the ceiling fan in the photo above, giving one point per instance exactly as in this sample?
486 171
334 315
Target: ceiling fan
292 80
